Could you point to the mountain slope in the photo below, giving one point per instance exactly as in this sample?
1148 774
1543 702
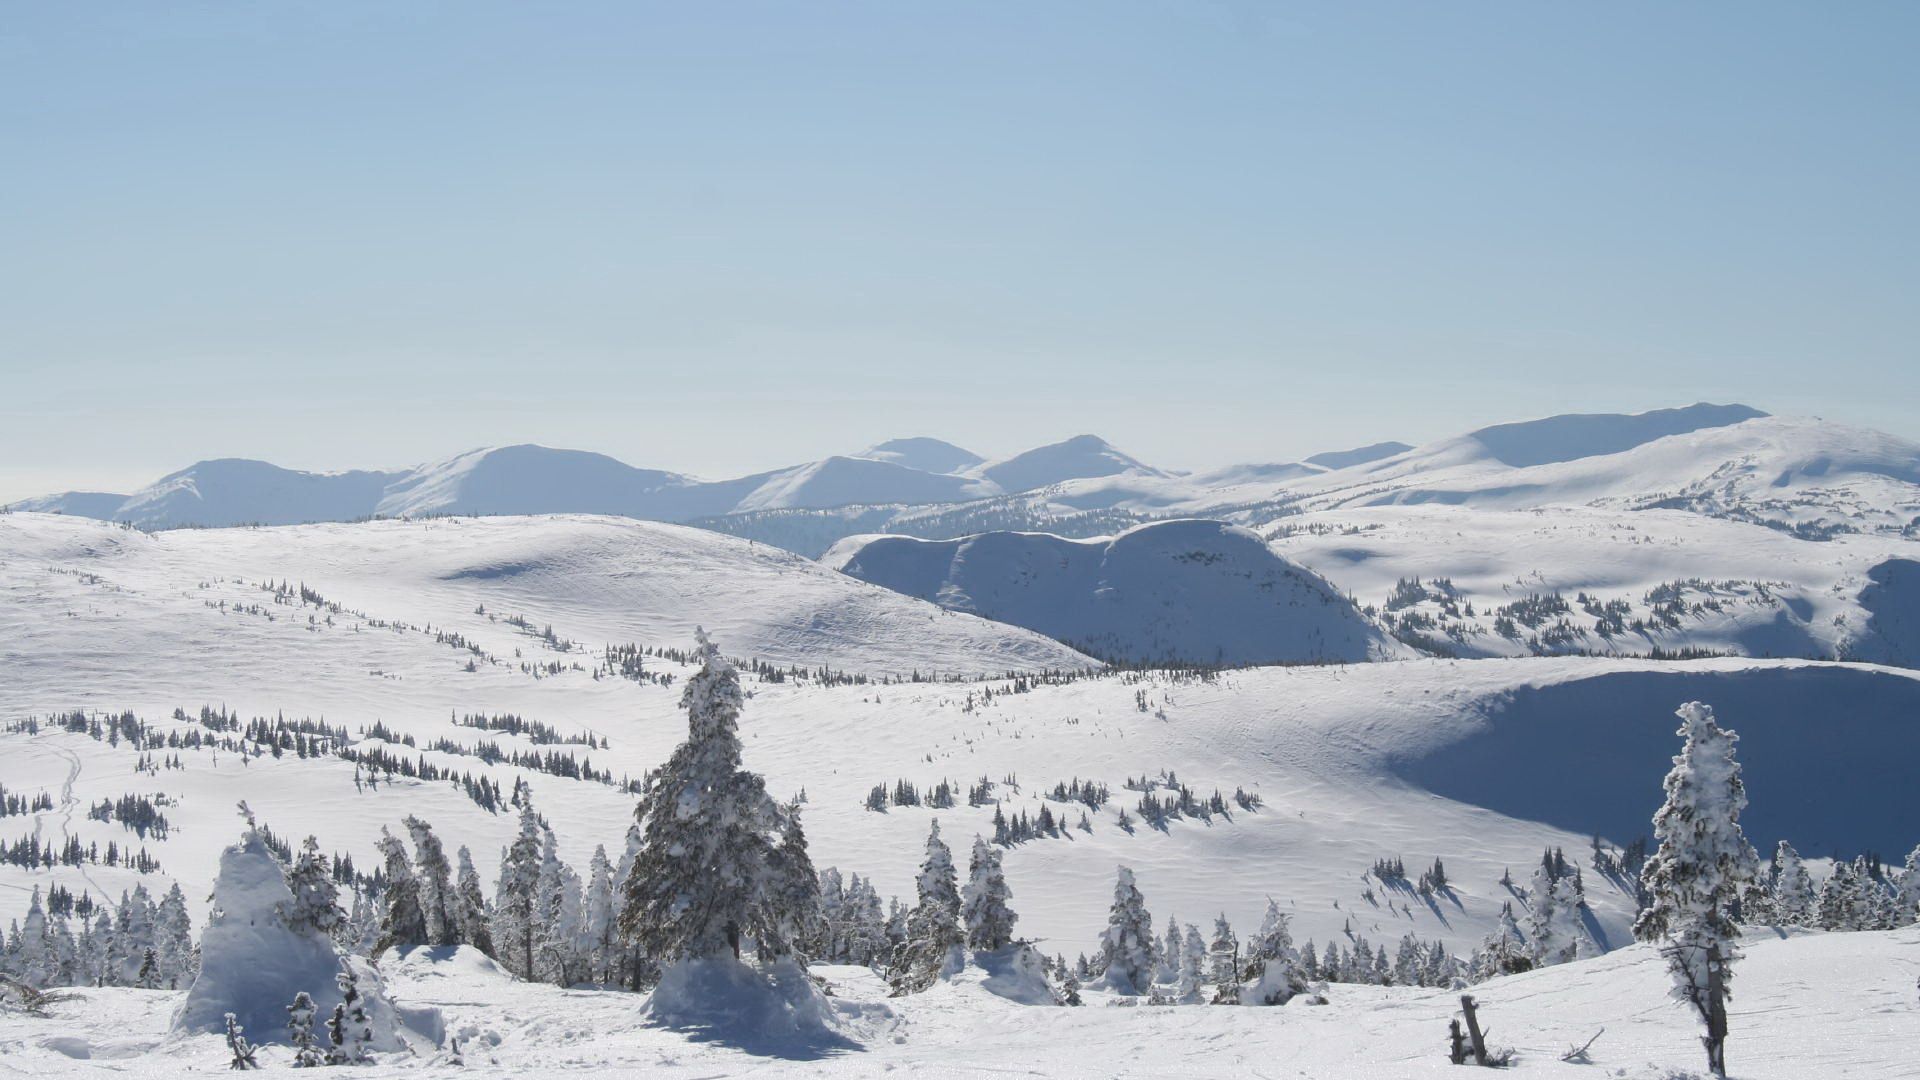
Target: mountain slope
1177 592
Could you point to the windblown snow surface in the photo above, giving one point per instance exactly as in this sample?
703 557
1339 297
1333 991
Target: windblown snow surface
1480 762
1809 1006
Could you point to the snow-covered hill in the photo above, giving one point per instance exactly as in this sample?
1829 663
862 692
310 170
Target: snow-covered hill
596 581
1479 582
1171 592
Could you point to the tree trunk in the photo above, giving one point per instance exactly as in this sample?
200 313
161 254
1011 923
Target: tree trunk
1478 1038
1716 1039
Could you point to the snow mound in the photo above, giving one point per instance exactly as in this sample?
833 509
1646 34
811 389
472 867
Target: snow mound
252 964
1178 591
1016 973
775 1011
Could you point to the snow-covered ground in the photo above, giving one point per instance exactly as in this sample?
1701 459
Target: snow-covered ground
1806 1006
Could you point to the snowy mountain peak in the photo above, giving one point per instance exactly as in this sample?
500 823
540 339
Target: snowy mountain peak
1082 457
924 454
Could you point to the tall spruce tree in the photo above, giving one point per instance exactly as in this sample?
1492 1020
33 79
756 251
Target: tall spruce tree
1126 948
516 894
703 880
1695 878
983 902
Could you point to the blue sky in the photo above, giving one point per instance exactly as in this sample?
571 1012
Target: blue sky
727 236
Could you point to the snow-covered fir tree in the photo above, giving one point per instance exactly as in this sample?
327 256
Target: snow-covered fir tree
1907 901
307 1052
1553 919
516 894
1171 944
1273 972
934 931
350 1029
559 922
984 901
316 899
435 876
1127 958
797 890
173 939
470 905
1223 961
1695 877
1793 892
404 922
602 938
1189 983
1505 951
703 882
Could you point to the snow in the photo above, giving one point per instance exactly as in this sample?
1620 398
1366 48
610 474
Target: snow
1807 1005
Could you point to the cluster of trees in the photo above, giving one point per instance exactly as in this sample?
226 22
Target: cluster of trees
69 942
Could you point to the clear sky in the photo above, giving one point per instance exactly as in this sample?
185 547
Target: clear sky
717 237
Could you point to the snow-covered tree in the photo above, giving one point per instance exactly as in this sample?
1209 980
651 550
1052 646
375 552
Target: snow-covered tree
316 899
1223 961
516 894
1907 902
405 921
1793 894
350 1030
934 932
173 939
1193 966
1553 920
1273 972
559 923
983 902
306 1046
1695 878
29 955
601 936
470 906
435 876
702 881
1171 944
133 935
1505 950
1126 948
796 888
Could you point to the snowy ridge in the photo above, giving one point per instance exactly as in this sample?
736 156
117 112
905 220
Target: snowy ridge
1173 592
